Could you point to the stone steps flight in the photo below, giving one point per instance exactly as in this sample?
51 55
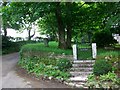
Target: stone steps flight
79 72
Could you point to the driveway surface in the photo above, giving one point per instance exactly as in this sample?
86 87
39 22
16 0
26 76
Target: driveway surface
11 79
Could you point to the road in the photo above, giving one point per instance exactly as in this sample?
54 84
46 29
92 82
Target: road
11 79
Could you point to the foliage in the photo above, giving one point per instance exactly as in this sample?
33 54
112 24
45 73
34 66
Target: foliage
109 80
40 60
45 67
103 38
64 64
48 25
117 45
111 76
111 56
101 67
8 46
113 19
55 18
6 42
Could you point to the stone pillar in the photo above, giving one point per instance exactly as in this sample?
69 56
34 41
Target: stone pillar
94 50
75 52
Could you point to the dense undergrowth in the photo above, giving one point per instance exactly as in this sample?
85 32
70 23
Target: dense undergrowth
41 61
47 67
109 81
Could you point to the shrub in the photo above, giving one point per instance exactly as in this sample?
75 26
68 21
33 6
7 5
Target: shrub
6 43
9 46
109 80
101 67
112 57
103 38
64 64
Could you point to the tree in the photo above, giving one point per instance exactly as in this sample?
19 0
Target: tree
4 20
113 20
22 15
48 25
67 19
63 15
61 30
8 20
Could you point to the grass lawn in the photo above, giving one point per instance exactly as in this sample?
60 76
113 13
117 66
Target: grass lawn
39 47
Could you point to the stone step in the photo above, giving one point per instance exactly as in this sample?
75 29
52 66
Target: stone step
84 61
78 84
80 73
74 84
82 65
86 69
81 79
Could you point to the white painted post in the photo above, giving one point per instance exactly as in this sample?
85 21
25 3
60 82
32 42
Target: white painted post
119 39
75 52
94 50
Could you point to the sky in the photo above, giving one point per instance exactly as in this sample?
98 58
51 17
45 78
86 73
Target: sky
13 33
24 34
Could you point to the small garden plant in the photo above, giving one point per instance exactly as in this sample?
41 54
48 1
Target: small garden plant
104 75
47 67
109 80
105 70
43 61
101 67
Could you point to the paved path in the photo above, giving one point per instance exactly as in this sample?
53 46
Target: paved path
11 79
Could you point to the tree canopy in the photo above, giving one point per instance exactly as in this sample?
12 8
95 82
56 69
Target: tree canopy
62 20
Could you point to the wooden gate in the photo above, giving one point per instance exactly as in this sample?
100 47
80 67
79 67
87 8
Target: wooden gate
84 51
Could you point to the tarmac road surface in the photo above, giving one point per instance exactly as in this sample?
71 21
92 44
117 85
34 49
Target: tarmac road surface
11 79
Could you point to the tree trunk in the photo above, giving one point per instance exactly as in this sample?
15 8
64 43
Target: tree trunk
68 25
5 31
61 30
69 36
30 36
4 25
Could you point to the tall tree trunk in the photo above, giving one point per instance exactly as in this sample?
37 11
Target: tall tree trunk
68 25
4 25
5 31
61 29
69 37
